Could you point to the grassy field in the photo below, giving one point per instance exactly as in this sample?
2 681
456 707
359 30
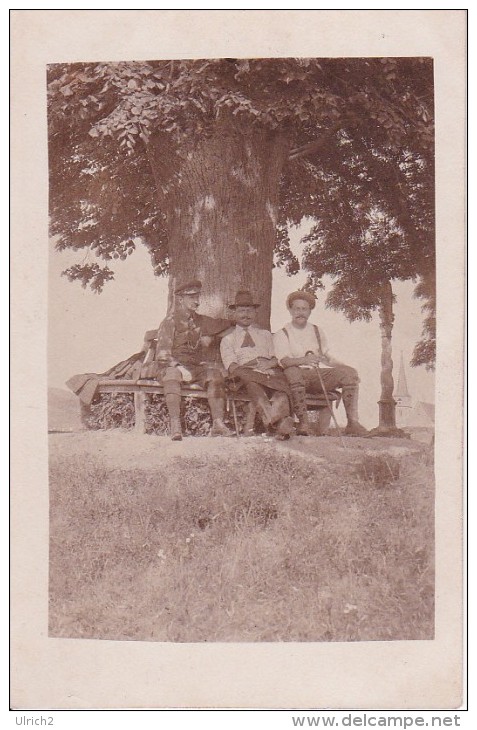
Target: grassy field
266 546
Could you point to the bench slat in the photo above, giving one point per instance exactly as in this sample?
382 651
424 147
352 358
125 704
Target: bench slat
143 386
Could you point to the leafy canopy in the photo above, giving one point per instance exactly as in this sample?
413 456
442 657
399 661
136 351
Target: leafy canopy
360 139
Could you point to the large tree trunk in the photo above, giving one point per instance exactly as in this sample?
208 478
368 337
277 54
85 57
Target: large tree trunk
221 203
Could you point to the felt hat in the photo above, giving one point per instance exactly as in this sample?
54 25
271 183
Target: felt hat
190 287
243 299
304 296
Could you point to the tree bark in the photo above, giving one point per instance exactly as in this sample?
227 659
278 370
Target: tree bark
220 199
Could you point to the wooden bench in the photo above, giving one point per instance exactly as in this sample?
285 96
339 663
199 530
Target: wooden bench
141 388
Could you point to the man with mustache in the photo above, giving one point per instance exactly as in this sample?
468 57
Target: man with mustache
302 351
183 355
247 353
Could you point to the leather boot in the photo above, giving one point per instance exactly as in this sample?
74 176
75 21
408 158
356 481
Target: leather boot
173 403
280 407
260 403
284 428
281 422
265 410
217 410
350 395
298 396
249 425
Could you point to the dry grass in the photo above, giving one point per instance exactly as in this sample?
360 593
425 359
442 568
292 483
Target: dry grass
264 548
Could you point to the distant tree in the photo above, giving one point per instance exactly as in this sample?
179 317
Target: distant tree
425 350
378 233
207 162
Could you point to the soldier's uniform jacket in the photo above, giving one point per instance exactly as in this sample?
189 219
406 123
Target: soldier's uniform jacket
179 338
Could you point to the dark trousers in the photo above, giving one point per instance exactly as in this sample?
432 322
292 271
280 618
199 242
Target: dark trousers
268 393
210 378
303 380
341 376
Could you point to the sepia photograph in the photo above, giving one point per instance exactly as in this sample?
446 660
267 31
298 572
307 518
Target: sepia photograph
244 349
202 488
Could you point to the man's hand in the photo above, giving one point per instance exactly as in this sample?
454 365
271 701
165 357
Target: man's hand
186 374
265 363
312 359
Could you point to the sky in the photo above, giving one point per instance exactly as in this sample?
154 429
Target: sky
90 332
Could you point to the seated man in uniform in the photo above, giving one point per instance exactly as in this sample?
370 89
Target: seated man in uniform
247 353
181 356
302 351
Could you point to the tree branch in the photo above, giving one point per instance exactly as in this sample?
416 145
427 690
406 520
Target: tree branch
317 143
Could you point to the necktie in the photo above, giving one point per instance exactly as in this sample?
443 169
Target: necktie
248 340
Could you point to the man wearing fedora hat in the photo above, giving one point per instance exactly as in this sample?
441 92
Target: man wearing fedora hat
302 351
247 353
184 354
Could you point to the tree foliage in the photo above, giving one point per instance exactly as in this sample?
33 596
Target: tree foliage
376 226
425 350
359 134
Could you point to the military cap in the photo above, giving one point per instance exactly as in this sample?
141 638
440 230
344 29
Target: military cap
243 299
304 296
190 287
